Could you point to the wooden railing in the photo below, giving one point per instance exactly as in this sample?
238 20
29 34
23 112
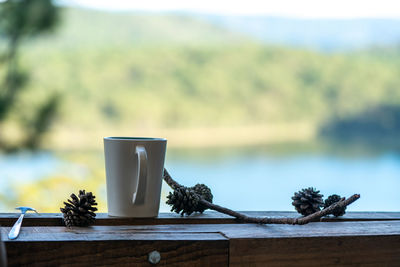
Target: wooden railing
210 239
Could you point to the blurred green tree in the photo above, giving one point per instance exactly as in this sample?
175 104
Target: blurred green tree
19 20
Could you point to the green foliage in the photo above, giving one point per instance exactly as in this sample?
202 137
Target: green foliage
14 82
228 86
19 19
43 117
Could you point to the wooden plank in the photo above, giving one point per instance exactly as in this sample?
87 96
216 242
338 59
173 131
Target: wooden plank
114 245
316 244
321 243
209 217
118 253
109 233
230 231
316 229
316 251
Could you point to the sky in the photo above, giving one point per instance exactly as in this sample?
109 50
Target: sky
287 8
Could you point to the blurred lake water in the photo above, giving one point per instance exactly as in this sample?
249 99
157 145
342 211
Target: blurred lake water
257 178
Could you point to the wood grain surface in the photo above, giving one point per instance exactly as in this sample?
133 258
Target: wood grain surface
118 253
114 245
199 231
316 251
209 217
205 240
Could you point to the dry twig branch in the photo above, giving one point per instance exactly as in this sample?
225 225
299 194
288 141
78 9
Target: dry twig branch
267 220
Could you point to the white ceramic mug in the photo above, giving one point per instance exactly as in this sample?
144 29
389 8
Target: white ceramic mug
134 169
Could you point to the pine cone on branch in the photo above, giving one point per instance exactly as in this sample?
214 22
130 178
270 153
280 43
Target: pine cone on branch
306 198
79 211
307 201
205 192
186 200
183 200
332 199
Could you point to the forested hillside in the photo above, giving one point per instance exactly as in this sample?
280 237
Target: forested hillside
132 71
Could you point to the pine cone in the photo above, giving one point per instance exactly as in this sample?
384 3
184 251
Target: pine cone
205 192
80 211
307 201
339 211
184 200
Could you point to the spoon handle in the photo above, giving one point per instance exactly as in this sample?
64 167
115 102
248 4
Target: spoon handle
17 226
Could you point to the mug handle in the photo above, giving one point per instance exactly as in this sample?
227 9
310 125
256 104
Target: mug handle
139 195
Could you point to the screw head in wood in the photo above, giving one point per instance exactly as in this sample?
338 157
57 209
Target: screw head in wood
154 257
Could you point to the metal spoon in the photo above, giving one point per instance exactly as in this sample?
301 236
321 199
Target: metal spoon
17 226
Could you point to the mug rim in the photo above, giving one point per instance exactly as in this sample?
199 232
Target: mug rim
129 138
